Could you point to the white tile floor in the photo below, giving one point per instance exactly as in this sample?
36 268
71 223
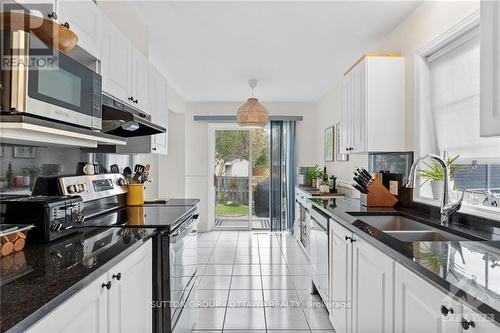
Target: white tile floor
255 282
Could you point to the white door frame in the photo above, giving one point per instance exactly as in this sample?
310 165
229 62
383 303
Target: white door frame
211 171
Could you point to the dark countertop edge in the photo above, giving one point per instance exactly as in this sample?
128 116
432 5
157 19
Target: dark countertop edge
43 311
443 285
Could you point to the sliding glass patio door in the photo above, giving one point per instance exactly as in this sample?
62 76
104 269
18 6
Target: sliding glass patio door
239 198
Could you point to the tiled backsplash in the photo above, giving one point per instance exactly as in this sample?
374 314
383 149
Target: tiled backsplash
28 162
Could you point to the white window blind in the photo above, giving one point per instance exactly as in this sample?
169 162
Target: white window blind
454 101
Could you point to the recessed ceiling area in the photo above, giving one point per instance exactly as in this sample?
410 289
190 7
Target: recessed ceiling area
297 50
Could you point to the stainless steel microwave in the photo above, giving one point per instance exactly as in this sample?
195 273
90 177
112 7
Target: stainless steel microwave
43 82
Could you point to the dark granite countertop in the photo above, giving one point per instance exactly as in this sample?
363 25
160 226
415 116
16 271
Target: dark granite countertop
49 274
470 270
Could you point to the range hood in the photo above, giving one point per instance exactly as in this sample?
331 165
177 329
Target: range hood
122 120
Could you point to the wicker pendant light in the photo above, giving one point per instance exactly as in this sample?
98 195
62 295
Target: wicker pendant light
252 113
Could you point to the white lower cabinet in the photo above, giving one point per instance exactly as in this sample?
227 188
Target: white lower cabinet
124 307
420 307
87 311
131 294
475 322
362 277
372 290
340 277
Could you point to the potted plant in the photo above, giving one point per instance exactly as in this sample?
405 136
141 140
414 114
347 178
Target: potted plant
315 174
434 173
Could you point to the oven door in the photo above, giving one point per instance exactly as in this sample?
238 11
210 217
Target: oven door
183 259
62 89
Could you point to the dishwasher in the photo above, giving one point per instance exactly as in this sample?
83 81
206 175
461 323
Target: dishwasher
319 254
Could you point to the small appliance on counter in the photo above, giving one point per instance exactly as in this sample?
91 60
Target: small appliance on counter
54 217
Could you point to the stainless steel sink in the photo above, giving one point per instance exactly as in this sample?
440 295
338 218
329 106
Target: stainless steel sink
393 222
408 230
424 236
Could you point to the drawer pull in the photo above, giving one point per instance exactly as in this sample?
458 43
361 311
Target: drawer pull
117 276
107 285
467 324
445 310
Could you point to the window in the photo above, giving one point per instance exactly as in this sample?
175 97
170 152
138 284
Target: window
449 119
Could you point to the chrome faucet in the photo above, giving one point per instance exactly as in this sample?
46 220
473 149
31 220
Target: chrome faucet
448 208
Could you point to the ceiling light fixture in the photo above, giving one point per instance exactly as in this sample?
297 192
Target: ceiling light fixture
252 113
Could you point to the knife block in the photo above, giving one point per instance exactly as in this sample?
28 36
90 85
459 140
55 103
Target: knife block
378 196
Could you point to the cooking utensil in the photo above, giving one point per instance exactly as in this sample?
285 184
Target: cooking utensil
127 171
114 168
145 174
139 170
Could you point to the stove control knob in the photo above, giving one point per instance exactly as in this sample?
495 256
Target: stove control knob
71 189
81 187
79 218
121 182
84 187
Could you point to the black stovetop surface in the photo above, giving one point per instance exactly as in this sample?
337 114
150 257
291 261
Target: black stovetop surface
147 216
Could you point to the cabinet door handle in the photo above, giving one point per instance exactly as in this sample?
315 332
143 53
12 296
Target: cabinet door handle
467 324
117 276
107 285
52 15
131 98
135 101
154 148
347 238
353 240
66 24
445 310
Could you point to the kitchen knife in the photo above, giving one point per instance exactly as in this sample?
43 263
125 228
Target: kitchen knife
360 182
360 189
362 176
366 173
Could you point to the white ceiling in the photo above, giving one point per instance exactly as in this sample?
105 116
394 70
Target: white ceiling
297 50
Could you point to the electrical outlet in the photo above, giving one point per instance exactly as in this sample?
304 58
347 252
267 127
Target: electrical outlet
393 187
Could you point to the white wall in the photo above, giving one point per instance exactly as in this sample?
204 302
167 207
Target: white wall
171 168
197 158
428 21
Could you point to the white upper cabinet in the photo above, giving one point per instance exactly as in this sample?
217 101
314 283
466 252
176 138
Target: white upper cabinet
159 110
490 68
124 69
115 62
84 19
373 106
139 81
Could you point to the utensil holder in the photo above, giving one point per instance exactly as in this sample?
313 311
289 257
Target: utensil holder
378 196
135 195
